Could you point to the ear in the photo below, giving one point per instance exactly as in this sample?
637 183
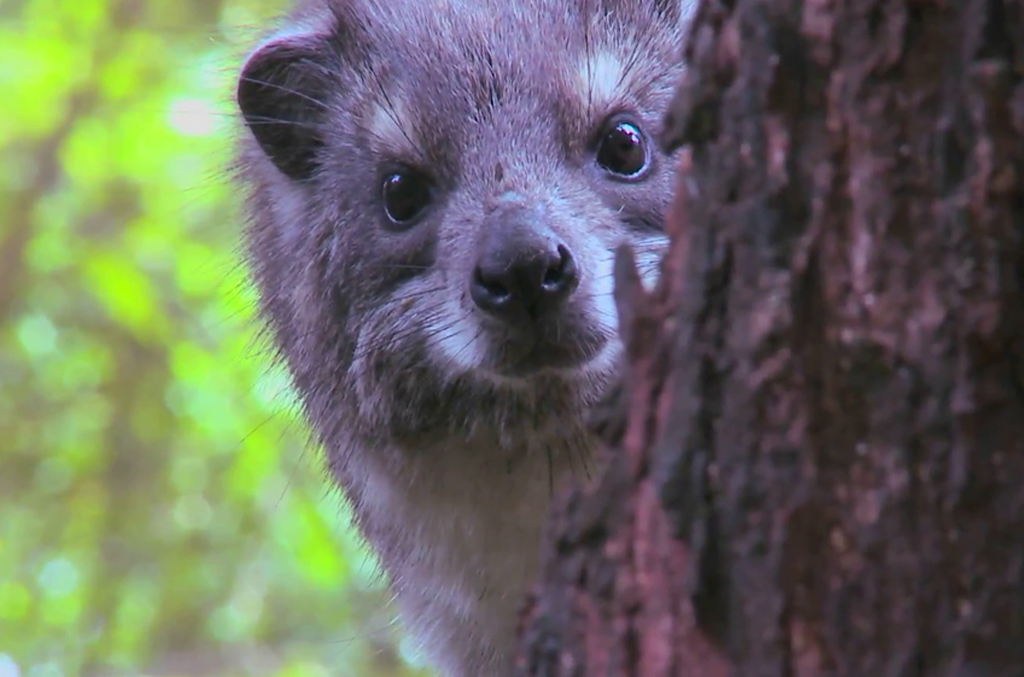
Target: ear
282 96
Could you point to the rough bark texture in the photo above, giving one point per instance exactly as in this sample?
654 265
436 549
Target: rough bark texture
821 466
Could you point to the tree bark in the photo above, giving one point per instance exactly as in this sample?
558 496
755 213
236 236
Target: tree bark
819 458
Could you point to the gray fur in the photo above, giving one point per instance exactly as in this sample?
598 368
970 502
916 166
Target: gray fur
448 463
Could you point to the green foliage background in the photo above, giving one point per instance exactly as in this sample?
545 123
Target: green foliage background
160 511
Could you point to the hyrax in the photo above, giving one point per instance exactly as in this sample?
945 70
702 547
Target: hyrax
436 189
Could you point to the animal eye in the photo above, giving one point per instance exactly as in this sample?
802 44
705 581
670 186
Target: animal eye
622 150
406 194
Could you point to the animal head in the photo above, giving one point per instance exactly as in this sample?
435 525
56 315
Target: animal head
437 189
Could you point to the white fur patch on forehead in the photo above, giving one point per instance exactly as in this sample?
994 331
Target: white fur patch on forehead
390 127
600 79
687 8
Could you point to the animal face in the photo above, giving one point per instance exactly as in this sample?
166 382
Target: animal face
438 188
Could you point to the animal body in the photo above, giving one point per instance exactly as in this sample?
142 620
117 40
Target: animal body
435 192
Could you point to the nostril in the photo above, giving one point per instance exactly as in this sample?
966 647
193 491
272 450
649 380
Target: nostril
497 291
560 274
555 273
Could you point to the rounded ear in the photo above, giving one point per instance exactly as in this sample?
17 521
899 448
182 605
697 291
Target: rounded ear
281 93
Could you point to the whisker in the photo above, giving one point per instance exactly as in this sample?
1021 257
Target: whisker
267 121
286 90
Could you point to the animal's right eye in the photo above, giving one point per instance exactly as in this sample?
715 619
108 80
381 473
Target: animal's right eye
623 150
406 195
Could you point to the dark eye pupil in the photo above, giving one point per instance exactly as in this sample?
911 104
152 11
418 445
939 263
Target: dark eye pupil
622 150
406 194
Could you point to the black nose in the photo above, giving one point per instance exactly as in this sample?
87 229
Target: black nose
524 282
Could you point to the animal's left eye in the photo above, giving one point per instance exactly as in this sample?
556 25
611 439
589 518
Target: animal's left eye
622 150
406 195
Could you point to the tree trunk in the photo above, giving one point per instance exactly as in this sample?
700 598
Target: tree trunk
821 465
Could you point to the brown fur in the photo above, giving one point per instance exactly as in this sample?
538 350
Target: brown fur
448 463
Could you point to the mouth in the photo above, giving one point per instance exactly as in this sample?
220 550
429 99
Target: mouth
534 350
